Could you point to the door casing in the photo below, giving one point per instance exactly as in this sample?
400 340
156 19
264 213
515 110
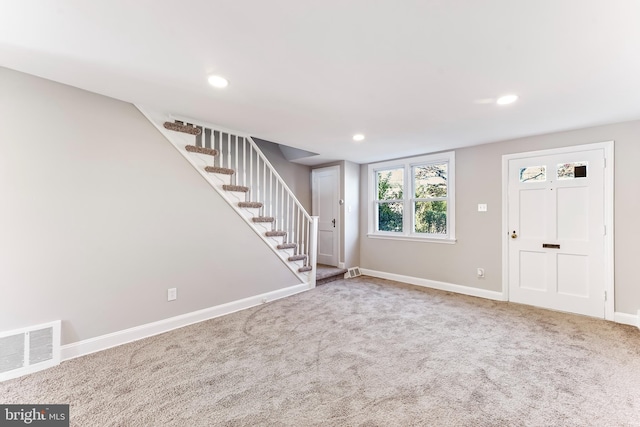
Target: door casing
335 172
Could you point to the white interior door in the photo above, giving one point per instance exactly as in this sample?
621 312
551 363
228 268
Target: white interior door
556 249
326 197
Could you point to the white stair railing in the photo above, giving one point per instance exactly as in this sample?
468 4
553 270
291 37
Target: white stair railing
253 170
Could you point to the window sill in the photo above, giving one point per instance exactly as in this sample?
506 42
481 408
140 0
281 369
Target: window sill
445 240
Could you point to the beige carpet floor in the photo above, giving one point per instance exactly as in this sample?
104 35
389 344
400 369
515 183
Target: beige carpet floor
359 352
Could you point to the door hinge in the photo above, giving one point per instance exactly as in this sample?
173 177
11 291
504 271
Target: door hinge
604 162
605 295
604 230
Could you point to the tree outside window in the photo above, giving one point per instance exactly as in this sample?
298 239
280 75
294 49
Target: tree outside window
430 202
390 199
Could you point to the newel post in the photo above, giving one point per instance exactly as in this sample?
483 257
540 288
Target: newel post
313 250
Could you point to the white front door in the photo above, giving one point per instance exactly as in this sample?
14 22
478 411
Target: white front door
326 197
556 220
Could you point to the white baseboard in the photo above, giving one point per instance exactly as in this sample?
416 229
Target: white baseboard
92 345
627 319
443 286
624 318
341 265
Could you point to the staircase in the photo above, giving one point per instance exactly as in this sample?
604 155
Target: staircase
235 167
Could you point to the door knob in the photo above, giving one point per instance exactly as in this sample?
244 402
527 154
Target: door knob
514 235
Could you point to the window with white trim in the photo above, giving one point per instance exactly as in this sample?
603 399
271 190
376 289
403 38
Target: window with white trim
413 198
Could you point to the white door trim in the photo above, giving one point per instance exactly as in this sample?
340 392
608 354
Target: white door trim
607 146
338 225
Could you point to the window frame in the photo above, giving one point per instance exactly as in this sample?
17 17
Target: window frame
409 200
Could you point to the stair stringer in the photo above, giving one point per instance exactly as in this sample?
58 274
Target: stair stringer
199 162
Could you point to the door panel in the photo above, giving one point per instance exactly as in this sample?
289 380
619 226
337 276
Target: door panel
573 275
573 213
532 203
556 220
533 271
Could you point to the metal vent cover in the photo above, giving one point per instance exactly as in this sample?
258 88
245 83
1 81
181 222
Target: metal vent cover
27 350
353 272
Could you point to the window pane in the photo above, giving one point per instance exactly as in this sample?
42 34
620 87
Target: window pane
430 181
390 184
533 174
431 217
572 170
390 217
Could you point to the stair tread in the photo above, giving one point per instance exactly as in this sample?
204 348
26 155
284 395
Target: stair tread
287 246
216 169
239 188
326 272
263 219
297 257
275 233
191 130
250 204
201 150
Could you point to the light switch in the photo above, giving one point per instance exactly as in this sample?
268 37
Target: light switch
482 207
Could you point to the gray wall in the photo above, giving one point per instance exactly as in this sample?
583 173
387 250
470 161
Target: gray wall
296 176
479 180
100 215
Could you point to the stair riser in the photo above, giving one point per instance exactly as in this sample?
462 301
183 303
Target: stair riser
251 212
276 240
235 197
263 227
225 180
297 264
287 253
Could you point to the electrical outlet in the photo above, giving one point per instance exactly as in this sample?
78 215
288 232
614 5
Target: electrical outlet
172 294
480 272
482 207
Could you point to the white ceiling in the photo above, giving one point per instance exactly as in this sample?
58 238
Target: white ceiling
310 74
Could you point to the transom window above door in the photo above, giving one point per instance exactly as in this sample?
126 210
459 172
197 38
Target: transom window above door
563 171
413 198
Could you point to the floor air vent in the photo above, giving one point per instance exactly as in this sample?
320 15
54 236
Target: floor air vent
353 272
27 350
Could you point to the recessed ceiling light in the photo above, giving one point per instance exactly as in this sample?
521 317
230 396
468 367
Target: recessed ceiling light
507 99
218 81
358 137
